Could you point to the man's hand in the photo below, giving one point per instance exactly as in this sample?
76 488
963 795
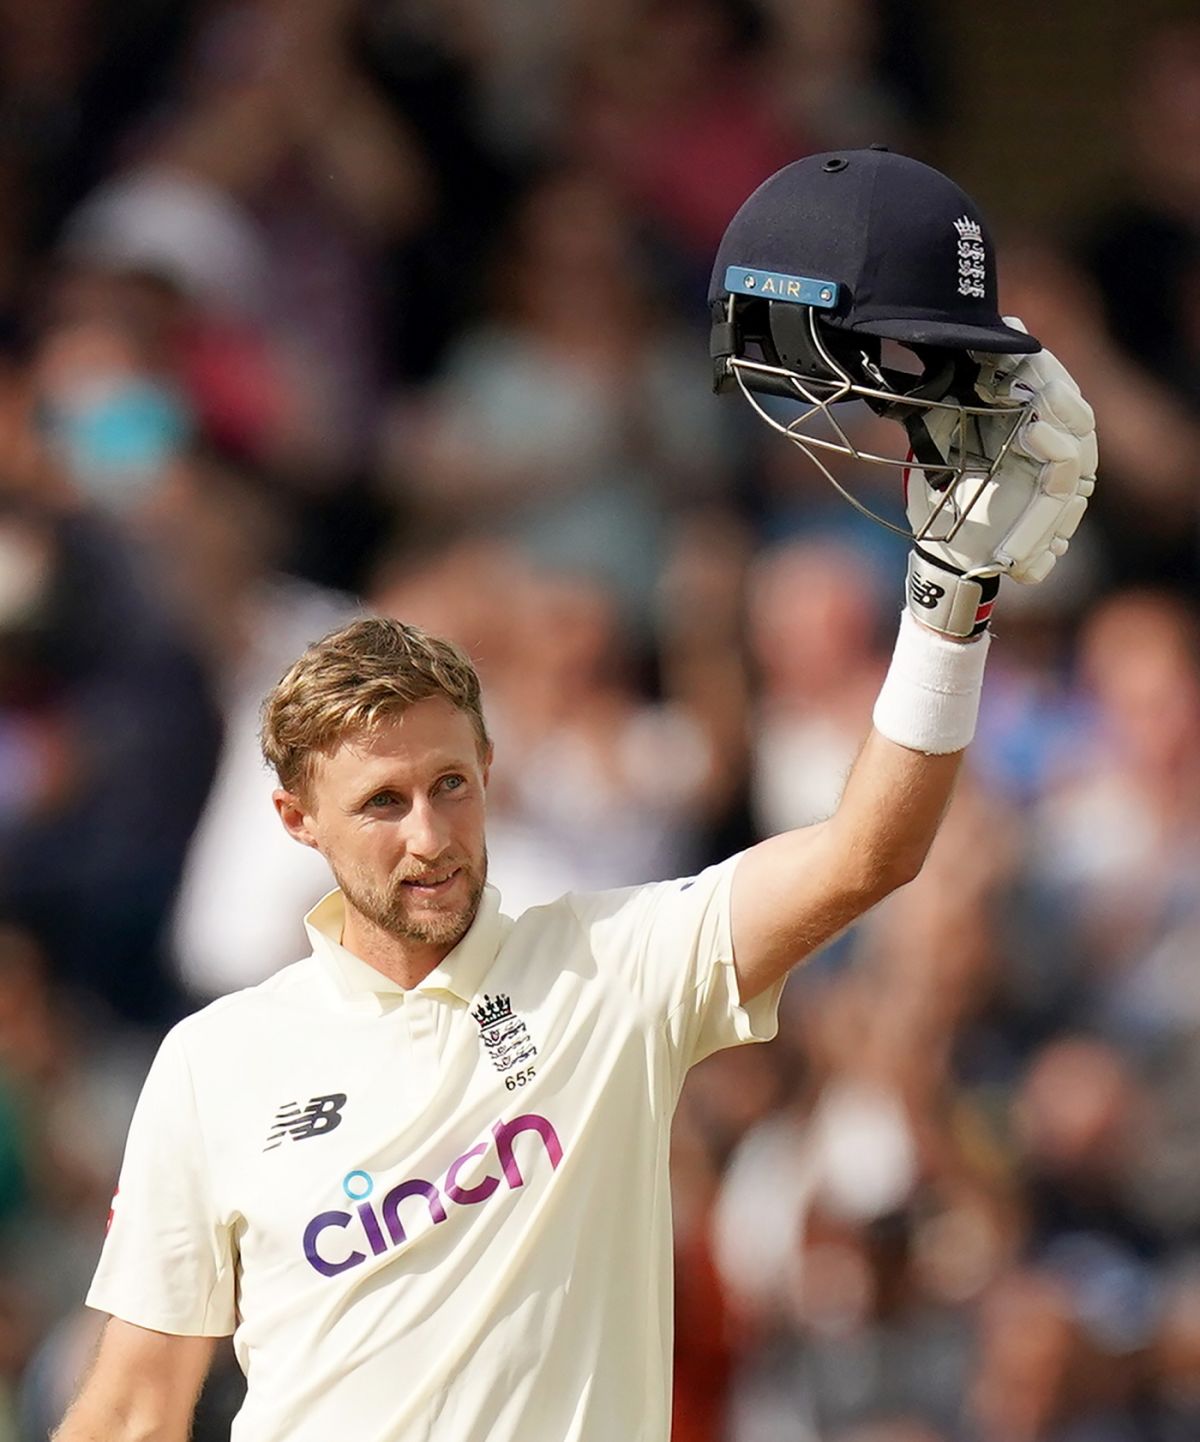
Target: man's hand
1024 514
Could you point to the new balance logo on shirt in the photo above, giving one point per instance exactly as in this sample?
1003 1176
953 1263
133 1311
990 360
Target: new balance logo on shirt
319 1116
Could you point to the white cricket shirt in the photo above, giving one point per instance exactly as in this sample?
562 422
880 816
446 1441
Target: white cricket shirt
437 1215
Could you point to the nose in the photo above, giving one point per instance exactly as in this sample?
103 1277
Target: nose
425 834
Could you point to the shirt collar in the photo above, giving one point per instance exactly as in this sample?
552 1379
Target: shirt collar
460 973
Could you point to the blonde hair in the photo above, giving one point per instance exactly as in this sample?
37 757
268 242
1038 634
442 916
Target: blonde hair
354 678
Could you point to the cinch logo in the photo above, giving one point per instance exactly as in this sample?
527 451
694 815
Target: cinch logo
381 1227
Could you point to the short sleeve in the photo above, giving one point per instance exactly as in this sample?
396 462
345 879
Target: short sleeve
671 943
168 1262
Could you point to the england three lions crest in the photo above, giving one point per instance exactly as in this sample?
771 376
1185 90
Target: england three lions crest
972 257
504 1035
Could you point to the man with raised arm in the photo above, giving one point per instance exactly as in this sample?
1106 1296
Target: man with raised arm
421 1176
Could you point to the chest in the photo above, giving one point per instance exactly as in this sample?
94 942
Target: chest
351 1140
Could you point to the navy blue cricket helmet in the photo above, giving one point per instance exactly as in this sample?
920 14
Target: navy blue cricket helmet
832 258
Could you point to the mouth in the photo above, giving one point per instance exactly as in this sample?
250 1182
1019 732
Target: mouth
432 886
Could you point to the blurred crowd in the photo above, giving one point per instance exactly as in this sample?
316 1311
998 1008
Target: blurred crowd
314 308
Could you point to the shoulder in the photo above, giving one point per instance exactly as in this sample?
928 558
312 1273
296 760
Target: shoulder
638 904
623 917
292 988
571 933
573 913
546 925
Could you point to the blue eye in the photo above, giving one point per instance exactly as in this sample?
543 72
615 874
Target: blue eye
381 798
453 783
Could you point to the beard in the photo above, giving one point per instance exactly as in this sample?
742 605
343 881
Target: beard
394 909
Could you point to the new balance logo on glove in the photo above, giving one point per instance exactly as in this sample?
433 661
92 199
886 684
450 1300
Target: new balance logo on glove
924 593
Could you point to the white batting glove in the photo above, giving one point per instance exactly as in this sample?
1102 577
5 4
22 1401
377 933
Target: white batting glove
1026 512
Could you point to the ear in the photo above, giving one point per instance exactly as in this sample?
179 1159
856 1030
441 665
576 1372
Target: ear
297 821
488 757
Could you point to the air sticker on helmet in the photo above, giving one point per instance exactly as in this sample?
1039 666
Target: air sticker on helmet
820 293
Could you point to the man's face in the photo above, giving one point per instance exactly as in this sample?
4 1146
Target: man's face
399 816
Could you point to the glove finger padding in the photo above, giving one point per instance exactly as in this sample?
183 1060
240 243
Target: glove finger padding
1041 440
1061 404
1028 509
1089 459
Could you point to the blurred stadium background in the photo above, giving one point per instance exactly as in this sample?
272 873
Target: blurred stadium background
307 305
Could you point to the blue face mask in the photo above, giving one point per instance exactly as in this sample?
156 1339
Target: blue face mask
115 446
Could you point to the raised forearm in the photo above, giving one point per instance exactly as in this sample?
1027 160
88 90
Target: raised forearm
795 891
890 811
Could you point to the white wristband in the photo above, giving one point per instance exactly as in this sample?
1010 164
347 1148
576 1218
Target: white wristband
930 697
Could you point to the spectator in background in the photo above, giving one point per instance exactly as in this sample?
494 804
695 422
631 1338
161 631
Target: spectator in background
266 197
1143 246
901 1429
706 1339
881 1196
219 539
645 118
100 688
1118 840
1043 1374
814 645
576 422
791 79
1175 1357
73 78
109 409
1082 1124
67 1091
1148 529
